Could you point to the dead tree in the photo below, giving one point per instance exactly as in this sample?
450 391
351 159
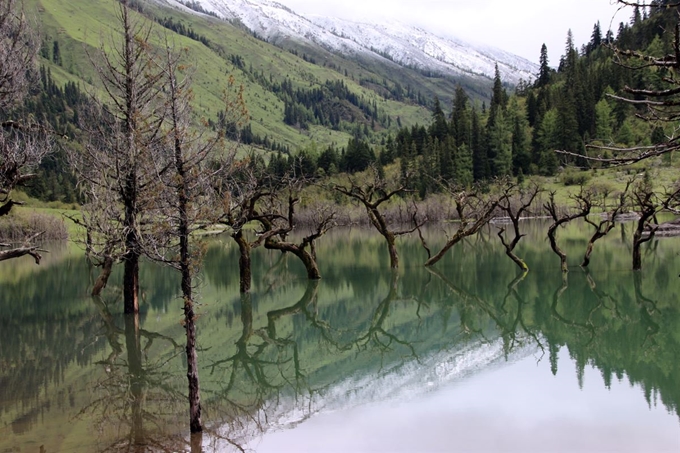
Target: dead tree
373 194
473 210
248 196
116 169
604 226
323 220
584 204
515 202
648 204
187 164
23 143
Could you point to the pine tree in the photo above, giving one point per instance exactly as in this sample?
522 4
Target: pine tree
439 128
460 118
480 160
544 69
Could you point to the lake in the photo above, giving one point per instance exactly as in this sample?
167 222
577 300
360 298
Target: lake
466 356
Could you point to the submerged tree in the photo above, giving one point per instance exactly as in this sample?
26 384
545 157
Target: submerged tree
322 220
372 195
116 168
248 196
23 142
187 165
474 211
515 203
604 226
584 204
648 204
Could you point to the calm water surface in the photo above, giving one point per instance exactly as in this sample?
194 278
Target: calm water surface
464 357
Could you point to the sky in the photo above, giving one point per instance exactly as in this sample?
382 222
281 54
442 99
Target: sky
516 26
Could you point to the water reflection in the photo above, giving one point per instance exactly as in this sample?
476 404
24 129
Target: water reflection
136 396
77 375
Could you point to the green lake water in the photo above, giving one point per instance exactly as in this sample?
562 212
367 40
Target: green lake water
462 357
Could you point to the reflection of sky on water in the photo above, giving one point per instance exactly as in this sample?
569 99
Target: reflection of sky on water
520 407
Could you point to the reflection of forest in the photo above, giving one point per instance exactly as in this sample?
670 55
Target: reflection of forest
605 319
291 348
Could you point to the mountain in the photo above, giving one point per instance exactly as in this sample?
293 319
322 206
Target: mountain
308 83
406 45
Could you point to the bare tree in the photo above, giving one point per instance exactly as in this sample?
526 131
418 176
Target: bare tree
373 194
648 204
584 204
249 197
515 205
604 226
323 219
474 211
116 169
23 143
19 45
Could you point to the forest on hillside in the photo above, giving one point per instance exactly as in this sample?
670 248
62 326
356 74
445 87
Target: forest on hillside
570 108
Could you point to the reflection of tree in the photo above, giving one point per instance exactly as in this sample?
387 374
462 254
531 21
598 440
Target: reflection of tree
137 397
377 334
627 335
511 324
267 376
41 341
587 325
647 309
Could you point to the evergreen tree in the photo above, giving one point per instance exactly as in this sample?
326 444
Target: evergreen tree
446 159
389 152
603 121
439 128
500 145
460 117
56 53
463 169
521 156
499 98
549 140
544 69
480 160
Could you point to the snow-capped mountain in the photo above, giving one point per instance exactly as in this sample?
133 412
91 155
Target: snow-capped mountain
404 44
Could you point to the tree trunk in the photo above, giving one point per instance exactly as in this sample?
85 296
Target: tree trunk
195 422
244 262
131 283
134 358
509 250
638 240
637 255
589 251
556 248
197 442
306 257
394 256
522 265
451 242
103 278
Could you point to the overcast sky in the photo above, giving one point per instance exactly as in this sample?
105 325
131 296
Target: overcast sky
518 26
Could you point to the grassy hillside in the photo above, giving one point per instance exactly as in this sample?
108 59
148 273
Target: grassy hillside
81 27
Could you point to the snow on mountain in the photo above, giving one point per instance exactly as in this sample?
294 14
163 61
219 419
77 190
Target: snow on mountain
404 44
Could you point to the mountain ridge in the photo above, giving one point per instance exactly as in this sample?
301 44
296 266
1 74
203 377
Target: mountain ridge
406 45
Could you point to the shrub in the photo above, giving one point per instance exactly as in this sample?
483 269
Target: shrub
574 178
17 228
